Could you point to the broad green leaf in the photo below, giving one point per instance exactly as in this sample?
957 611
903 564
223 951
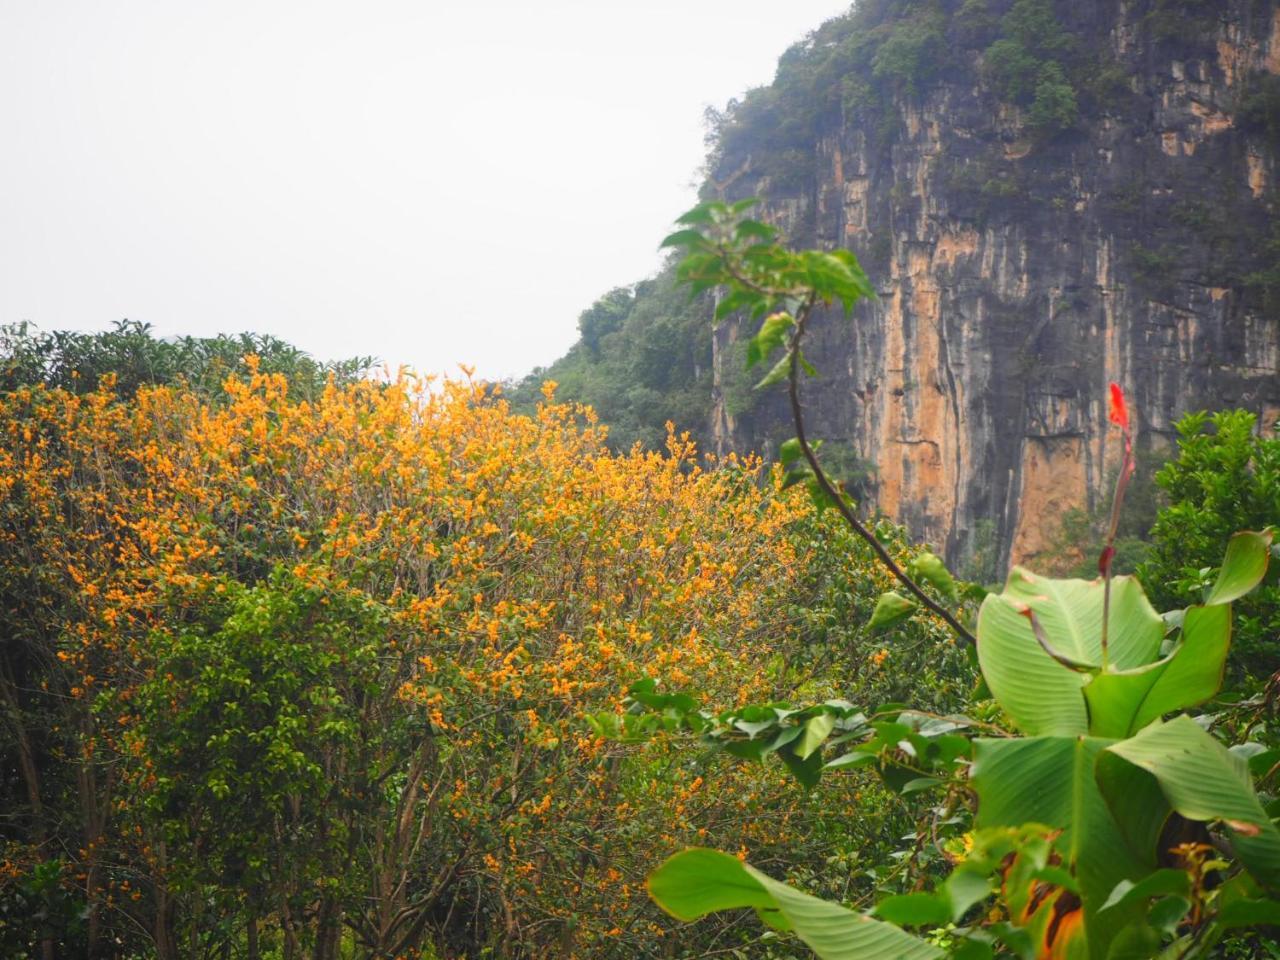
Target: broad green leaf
755 230
790 451
797 474
808 770
972 950
769 338
816 729
1139 941
930 568
915 909
1160 883
890 608
701 215
777 374
683 238
1202 780
855 758
1050 781
1166 914
1123 702
965 888
1039 693
735 300
697 882
786 736
1249 913
1243 567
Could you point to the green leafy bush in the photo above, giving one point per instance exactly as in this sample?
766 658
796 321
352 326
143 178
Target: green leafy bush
1029 65
1226 477
134 356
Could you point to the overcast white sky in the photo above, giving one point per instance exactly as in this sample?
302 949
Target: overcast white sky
430 182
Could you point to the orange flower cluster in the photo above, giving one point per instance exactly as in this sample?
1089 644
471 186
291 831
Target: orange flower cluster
519 576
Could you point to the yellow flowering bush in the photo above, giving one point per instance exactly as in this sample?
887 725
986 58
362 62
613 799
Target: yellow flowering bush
312 675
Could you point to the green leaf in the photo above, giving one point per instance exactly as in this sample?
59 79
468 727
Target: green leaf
808 770
966 887
1123 702
1039 693
1166 914
683 238
701 215
929 567
972 950
1160 883
915 909
735 300
1202 780
755 230
697 882
769 338
854 758
777 374
816 729
1243 567
790 451
1249 913
890 608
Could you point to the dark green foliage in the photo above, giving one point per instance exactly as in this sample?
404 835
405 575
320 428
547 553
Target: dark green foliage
1011 69
604 317
1259 110
648 362
245 722
975 23
40 906
1053 107
135 356
912 54
1225 478
1185 23
853 65
1030 64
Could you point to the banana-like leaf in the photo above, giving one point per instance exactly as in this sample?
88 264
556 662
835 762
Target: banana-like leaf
1243 567
1122 702
699 881
1202 780
1051 781
1032 684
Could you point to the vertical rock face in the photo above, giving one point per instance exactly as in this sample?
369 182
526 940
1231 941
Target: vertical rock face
1019 272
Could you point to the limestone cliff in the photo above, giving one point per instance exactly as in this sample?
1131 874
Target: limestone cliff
1100 210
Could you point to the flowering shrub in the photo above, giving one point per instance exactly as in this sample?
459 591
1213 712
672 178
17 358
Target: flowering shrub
314 675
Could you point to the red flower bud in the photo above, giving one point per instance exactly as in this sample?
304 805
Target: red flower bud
1117 412
1104 560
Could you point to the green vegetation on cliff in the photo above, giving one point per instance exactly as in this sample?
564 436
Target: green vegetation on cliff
643 360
